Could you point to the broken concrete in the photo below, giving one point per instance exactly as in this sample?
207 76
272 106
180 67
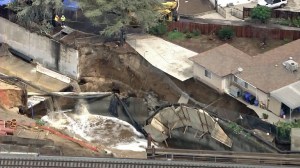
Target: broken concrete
172 118
166 56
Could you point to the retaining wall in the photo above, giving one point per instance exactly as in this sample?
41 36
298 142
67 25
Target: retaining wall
48 52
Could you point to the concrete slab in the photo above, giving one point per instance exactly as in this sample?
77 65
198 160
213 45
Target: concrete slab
272 118
164 55
12 66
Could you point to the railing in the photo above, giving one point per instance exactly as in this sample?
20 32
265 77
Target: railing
224 157
237 13
221 11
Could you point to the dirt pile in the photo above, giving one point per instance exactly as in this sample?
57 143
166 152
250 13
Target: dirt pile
11 96
109 67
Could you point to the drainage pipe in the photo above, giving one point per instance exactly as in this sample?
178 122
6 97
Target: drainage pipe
20 55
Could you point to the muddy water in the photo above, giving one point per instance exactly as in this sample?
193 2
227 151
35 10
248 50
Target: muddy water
97 129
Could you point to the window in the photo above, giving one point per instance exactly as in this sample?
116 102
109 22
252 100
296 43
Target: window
208 74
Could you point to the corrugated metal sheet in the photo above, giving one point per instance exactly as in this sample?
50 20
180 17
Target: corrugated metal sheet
171 118
289 95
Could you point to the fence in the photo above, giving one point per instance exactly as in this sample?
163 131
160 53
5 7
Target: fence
241 30
275 14
237 13
221 11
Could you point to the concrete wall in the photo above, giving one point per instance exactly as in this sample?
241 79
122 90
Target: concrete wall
223 3
215 81
44 50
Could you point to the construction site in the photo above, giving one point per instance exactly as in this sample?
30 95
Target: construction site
74 98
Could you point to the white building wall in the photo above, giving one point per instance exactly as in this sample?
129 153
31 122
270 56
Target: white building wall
226 83
214 82
274 106
224 3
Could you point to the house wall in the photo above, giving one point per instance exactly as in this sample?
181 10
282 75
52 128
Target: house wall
260 95
214 82
226 82
274 106
50 53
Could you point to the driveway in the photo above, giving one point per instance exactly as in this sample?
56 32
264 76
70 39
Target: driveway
194 7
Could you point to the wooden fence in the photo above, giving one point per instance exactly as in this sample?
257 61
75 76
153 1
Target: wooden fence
275 14
248 31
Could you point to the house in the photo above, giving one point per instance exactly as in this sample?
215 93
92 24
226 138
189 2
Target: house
271 78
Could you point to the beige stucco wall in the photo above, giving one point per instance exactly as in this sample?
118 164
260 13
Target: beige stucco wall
274 106
216 82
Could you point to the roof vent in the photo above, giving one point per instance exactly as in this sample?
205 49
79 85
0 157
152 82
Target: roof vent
291 65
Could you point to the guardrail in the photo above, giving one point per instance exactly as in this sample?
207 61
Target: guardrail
273 159
11 161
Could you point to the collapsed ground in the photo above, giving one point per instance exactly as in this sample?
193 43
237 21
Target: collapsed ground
107 66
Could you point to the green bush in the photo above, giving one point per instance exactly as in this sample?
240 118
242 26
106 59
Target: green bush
284 129
196 33
159 30
225 33
296 22
261 13
189 35
235 128
175 35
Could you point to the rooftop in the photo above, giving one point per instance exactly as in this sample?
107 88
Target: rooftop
264 71
222 60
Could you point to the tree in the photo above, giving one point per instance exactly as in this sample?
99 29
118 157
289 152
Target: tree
115 14
36 13
261 13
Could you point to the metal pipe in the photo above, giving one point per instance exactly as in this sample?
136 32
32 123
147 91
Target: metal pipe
20 55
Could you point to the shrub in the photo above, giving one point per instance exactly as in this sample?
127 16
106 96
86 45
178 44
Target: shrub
225 33
261 13
284 129
196 33
296 22
189 35
175 35
159 30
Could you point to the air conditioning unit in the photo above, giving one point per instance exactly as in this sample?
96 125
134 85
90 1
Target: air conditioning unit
291 65
235 91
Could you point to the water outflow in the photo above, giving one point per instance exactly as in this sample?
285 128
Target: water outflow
54 109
